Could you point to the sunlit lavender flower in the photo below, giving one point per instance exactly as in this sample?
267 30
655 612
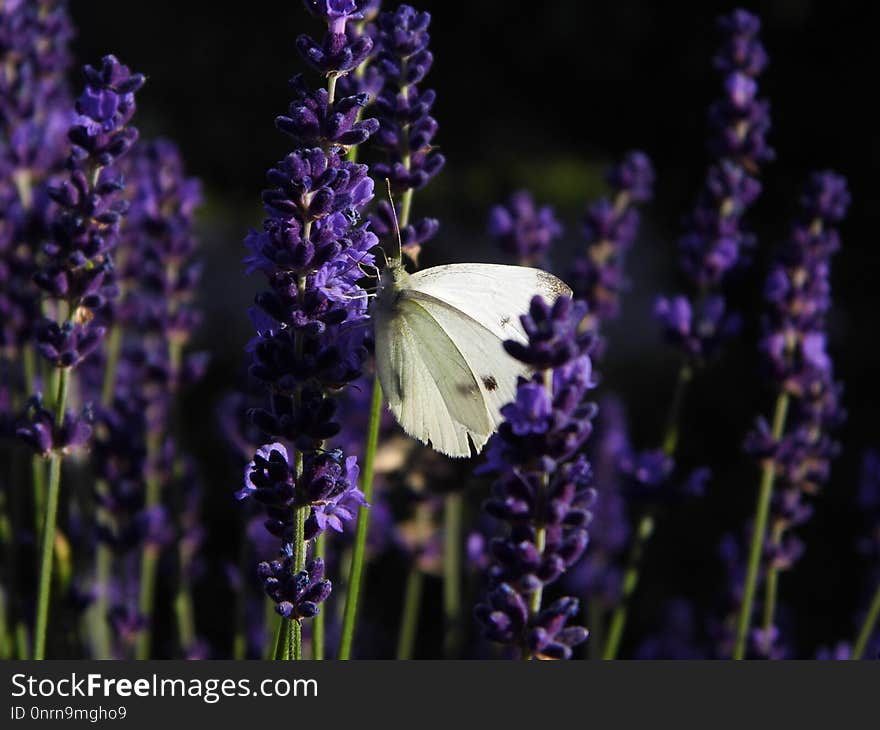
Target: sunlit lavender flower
794 346
523 230
610 227
542 488
407 129
74 270
310 321
599 572
35 113
716 241
145 363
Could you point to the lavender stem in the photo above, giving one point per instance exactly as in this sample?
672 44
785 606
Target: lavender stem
409 621
299 560
868 626
320 551
762 510
363 522
150 555
452 514
48 533
628 587
645 529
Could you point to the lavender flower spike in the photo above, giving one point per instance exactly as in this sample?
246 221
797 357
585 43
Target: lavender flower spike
610 227
76 265
524 230
716 241
798 450
310 334
542 489
406 127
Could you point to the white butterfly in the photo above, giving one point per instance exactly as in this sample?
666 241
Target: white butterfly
439 352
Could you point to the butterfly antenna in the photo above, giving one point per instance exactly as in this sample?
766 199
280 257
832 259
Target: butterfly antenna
396 224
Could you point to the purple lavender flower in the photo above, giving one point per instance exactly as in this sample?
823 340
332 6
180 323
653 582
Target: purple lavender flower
35 112
144 366
327 486
406 127
338 54
794 348
75 268
599 572
297 594
542 488
610 227
523 230
715 241
311 320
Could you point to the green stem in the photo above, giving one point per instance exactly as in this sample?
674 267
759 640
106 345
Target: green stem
771 588
452 516
100 628
47 536
318 624
412 602
360 540
114 343
628 588
299 561
150 555
38 477
183 612
670 439
762 511
541 531
868 626
538 593
38 468
645 529
282 641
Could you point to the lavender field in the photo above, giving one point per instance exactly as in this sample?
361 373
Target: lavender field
245 411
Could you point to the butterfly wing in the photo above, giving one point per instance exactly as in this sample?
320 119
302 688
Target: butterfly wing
428 384
494 371
494 295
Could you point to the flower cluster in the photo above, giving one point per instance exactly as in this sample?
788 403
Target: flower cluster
523 230
311 320
610 227
327 485
599 573
35 112
406 127
542 487
74 270
716 241
794 346
144 365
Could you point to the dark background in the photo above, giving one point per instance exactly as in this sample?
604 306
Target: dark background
544 95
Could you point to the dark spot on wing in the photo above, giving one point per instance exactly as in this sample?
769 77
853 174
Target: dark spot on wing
490 382
398 386
505 320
